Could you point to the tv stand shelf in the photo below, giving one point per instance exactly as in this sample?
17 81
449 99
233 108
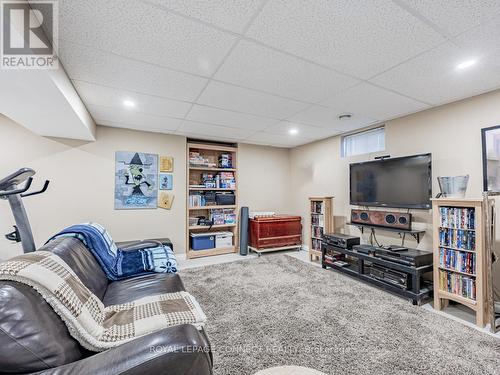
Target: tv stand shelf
420 290
417 234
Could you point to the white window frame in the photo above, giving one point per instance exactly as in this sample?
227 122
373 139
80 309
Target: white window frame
345 152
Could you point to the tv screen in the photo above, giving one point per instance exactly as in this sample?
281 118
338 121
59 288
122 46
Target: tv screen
395 182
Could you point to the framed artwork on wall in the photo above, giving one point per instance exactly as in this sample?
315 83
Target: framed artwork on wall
491 158
165 201
136 180
166 164
166 181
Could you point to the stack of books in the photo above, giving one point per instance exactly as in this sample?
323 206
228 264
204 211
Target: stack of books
317 231
464 239
196 200
457 218
223 216
317 207
198 160
318 220
457 260
316 244
464 286
225 180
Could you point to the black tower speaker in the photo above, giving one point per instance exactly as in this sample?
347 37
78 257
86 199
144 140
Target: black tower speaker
244 231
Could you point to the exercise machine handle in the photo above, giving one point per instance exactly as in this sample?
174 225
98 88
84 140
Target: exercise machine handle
43 190
4 194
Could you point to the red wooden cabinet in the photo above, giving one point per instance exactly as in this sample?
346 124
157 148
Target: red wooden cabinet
275 231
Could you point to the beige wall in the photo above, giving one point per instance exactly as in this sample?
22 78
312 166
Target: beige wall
82 182
452 133
264 175
269 178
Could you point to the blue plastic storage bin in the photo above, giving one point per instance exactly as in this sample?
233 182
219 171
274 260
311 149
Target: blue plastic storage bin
202 241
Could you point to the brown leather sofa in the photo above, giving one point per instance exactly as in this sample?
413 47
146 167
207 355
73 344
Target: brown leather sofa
33 339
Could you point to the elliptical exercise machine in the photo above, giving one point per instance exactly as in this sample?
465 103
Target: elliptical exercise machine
10 191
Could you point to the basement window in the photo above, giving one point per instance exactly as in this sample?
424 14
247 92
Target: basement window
364 142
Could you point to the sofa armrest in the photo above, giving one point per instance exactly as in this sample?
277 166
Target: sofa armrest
178 350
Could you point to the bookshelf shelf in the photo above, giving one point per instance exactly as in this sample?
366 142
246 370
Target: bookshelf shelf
456 249
204 227
194 168
415 233
451 228
457 271
459 222
210 207
320 222
458 298
211 164
209 252
211 189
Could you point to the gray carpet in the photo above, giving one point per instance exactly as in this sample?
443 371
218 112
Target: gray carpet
277 310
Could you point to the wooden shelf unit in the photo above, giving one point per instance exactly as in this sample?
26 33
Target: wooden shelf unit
443 296
211 151
204 227
325 218
209 252
211 189
210 207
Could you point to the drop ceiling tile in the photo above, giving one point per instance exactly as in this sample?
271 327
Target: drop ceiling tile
131 119
92 65
432 77
303 131
252 65
107 97
362 38
328 118
374 102
203 129
217 116
294 143
456 16
231 15
483 42
145 32
276 140
238 99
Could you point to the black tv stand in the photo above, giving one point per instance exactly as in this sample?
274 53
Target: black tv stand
417 291
417 234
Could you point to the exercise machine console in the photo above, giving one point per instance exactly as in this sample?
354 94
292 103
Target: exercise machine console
10 190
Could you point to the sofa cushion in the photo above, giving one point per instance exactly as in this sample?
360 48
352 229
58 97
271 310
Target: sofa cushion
128 290
82 262
32 335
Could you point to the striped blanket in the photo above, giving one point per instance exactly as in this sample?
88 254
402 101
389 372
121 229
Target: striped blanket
94 326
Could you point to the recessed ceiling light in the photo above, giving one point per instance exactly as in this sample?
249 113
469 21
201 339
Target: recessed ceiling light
128 103
293 131
466 64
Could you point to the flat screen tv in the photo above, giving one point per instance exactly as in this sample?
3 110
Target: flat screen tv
404 182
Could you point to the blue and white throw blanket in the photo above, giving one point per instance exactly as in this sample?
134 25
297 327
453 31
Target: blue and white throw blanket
120 263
